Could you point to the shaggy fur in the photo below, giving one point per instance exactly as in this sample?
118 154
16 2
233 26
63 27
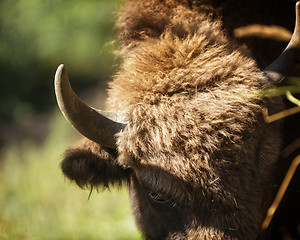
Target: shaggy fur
196 150
89 165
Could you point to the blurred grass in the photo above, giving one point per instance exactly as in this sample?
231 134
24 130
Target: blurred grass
37 202
36 36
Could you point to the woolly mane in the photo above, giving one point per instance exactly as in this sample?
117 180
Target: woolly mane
193 107
195 133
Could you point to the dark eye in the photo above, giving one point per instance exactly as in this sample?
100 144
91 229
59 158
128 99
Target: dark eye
156 197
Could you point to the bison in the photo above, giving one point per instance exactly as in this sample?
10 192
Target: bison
184 125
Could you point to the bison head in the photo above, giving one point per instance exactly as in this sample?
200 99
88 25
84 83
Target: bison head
187 134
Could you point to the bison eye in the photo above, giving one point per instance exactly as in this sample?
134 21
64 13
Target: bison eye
156 197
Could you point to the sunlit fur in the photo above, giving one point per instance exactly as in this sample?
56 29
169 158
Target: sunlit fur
195 132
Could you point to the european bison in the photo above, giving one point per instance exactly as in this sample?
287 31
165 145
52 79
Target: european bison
184 124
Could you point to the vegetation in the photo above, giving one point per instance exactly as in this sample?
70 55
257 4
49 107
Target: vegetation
36 36
37 202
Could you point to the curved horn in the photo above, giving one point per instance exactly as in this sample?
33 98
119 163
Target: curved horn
286 63
97 125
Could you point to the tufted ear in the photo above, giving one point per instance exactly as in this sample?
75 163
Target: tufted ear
90 165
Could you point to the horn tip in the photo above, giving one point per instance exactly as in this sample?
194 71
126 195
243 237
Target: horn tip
60 68
59 72
297 9
60 81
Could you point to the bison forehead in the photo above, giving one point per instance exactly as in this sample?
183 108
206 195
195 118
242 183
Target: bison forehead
171 65
193 137
193 109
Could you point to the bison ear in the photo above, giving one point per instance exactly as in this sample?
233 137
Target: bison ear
90 165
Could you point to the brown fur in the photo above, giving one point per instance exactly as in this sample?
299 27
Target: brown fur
89 165
197 151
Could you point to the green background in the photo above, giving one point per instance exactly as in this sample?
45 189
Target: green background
36 201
